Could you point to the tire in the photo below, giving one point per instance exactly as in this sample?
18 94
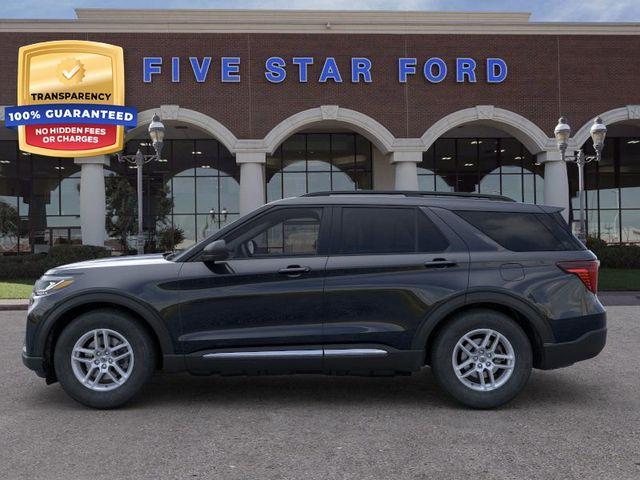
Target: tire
113 387
472 390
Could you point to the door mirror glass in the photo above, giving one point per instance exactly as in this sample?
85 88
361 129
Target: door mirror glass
215 251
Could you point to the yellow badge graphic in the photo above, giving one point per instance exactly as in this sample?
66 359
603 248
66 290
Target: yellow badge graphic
71 99
70 71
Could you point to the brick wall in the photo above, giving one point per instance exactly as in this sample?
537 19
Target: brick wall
578 76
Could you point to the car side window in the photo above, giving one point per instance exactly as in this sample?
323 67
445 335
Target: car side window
383 230
283 232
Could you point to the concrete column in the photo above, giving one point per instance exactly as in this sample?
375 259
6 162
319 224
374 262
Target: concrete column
406 167
252 186
556 182
93 209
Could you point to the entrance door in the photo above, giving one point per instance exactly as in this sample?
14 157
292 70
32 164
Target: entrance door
267 295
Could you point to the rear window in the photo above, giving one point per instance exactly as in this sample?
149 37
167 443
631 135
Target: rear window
380 230
522 232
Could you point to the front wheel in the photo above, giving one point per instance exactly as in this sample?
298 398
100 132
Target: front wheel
103 358
482 358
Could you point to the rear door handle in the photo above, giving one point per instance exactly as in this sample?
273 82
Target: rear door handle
439 263
294 270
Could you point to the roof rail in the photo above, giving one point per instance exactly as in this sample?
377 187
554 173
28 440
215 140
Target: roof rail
411 193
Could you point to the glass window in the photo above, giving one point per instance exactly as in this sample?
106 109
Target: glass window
630 226
522 232
8 159
312 162
430 239
378 230
284 232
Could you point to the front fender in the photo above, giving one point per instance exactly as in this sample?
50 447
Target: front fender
109 297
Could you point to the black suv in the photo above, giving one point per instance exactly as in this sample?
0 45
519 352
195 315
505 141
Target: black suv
478 287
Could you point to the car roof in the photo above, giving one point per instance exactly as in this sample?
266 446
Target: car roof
447 200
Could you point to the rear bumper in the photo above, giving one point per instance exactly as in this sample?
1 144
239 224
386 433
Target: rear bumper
557 355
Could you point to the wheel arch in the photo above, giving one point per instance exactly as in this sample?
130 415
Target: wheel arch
531 320
64 314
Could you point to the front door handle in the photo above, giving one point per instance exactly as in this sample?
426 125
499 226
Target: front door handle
294 270
440 263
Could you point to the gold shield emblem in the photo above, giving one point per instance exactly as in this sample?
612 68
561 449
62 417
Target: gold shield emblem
71 72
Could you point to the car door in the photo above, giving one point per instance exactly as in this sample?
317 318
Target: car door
389 266
267 294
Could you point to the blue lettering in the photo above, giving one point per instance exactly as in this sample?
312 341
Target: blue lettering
303 64
406 66
360 67
330 71
151 66
275 69
496 70
200 71
428 70
230 70
175 69
465 67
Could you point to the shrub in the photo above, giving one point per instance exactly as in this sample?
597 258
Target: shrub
33 266
615 256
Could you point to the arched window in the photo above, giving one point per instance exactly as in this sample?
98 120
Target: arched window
312 162
500 166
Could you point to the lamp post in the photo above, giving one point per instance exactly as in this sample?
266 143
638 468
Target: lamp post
156 133
562 133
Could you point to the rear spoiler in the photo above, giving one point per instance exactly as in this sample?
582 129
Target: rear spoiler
550 209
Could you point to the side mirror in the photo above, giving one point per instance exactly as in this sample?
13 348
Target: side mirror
215 251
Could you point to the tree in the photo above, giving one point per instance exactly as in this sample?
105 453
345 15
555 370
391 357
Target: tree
169 237
9 225
122 210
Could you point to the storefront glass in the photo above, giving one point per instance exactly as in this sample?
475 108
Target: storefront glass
612 191
312 162
500 166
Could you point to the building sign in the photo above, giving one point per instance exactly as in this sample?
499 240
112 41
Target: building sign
70 99
323 70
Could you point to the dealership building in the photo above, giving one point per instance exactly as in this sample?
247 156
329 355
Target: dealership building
262 105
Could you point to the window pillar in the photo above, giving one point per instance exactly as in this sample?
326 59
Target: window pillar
252 186
93 208
406 169
556 182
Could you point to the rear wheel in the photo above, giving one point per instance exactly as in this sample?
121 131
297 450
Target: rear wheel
103 358
482 358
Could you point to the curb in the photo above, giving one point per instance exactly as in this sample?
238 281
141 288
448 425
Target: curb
13 305
619 299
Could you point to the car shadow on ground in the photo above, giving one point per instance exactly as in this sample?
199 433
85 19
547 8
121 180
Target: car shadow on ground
419 390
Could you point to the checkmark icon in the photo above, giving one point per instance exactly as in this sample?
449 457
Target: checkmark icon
71 73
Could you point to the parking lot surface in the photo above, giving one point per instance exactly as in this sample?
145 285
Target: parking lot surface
578 422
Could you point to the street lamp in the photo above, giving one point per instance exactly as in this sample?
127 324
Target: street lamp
562 133
156 133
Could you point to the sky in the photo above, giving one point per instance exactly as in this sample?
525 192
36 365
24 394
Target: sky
542 10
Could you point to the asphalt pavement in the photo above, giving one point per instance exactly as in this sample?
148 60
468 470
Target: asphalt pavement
581 422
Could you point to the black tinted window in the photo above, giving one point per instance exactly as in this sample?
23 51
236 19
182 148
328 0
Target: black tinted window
522 232
290 231
430 239
388 230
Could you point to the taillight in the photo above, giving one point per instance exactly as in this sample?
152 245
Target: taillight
585 270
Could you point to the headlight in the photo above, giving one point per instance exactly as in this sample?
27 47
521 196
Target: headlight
48 285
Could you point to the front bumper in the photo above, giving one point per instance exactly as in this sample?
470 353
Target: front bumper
558 355
34 363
